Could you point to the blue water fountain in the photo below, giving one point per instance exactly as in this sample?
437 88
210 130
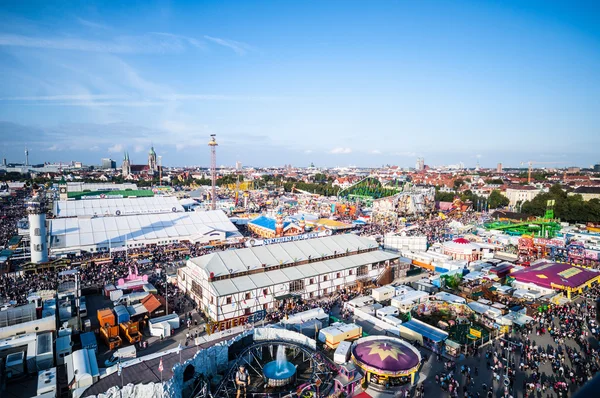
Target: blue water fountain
279 372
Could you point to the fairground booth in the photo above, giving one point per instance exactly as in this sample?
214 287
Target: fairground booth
424 334
386 362
562 277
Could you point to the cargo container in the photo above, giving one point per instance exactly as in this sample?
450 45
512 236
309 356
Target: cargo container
149 288
130 331
88 341
106 317
115 294
82 307
108 289
63 348
121 313
338 332
342 352
163 325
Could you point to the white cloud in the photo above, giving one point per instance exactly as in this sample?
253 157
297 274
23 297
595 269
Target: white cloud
308 151
115 148
406 154
95 148
91 24
237 46
149 43
138 148
54 148
340 150
478 156
180 147
375 152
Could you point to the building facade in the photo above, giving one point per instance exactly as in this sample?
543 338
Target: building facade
518 194
231 285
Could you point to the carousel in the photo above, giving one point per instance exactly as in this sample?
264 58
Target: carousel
386 362
462 249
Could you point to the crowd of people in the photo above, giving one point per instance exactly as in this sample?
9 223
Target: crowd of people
572 356
12 209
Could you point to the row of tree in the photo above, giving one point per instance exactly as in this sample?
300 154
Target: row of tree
570 208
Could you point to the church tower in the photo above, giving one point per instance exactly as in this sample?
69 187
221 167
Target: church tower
152 161
126 168
63 189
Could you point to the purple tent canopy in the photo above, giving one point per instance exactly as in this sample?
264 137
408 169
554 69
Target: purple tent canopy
545 275
386 355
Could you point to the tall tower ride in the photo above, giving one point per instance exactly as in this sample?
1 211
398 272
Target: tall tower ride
213 170
36 211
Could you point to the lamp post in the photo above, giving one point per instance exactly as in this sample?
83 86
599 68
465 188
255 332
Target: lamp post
508 345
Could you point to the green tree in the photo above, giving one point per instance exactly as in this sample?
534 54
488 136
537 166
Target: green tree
496 200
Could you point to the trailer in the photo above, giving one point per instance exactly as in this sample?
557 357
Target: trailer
406 302
24 344
385 311
47 382
383 293
332 336
131 298
88 341
342 352
110 335
44 357
121 314
358 302
130 331
82 369
163 325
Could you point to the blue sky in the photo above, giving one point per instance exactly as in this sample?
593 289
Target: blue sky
330 82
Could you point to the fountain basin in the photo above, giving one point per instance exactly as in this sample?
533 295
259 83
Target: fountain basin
278 375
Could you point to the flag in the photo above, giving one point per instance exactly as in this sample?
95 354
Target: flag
160 366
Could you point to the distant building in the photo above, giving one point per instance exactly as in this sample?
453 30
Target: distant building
519 194
238 166
149 170
108 163
597 168
499 168
420 166
587 193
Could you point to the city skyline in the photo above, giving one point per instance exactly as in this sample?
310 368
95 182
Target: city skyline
298 83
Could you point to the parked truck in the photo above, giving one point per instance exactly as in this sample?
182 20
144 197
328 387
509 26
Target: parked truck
130 331
109 331
110 335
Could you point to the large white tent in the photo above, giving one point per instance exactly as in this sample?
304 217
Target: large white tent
116 207
93 234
